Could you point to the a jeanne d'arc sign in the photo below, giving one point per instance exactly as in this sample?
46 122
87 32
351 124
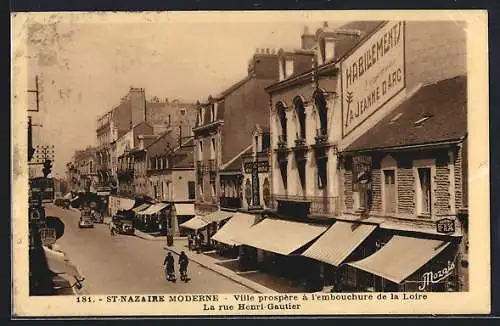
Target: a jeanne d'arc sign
373 74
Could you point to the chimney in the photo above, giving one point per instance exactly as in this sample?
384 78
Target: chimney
308 39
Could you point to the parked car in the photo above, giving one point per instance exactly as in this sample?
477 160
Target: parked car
127 227
85 220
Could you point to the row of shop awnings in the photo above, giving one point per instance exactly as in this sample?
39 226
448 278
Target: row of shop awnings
398 259
148 209
199 222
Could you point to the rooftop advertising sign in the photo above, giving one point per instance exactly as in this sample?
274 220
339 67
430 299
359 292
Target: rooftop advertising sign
372 75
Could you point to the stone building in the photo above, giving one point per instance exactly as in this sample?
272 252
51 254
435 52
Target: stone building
224 127
357 75
84 170
125 167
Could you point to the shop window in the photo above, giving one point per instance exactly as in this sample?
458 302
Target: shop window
390 191
248 192
424 191
191 192
266 190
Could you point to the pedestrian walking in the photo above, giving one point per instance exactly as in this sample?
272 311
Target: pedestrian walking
169 267
183 265
190 242
112 228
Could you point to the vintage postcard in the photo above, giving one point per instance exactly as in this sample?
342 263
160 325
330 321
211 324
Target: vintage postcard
250 163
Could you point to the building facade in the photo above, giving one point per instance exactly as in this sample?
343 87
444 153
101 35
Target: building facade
84 170
359 74
224 127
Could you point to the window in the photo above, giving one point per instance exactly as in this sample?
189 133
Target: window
191 193
169 120
424 191
283 120
183 111
301 116
322 175
320 102
289 68
284 173
200 150
389 191
212 113
301 167
256 140
281 66
329 50
212 149
91 167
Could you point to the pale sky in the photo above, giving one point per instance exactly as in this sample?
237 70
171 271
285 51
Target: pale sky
85 68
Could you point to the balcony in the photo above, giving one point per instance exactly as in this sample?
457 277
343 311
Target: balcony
212 165
321 138
230 202
282 143
309 205
300 149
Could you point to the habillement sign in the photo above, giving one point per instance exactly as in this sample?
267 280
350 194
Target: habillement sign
373 74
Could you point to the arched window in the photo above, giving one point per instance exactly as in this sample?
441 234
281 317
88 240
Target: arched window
320 101
301 117
282 117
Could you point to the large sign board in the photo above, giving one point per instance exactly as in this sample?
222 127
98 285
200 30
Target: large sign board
41 190
372 75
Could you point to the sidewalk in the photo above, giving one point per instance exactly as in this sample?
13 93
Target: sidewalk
210 263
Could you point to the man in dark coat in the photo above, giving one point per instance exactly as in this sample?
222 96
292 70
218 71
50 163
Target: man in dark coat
169 266
183 265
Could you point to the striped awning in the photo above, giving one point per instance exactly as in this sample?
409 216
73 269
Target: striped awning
184 209
280 236
338 242
401 257
217 216
153 209
195 223
140 208
239 223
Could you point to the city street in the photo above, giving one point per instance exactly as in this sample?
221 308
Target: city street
127 264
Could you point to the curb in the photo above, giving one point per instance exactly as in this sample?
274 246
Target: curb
224 272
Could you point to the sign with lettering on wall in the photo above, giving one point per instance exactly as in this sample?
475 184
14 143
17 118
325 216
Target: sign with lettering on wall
445 225
372 75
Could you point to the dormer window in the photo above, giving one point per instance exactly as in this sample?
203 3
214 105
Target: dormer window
281 65
329 50
256 144
288 68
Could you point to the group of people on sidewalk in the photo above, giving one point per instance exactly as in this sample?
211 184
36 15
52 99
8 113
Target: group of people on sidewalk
195 241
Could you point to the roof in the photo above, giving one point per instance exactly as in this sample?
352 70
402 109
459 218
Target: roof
345 44
160 145
235 163
239 223
435 113
183 157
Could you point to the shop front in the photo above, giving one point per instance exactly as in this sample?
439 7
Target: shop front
181 213
340 242
274 246
155 218
406 263
224 237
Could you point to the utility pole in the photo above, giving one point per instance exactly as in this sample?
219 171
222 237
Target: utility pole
31 150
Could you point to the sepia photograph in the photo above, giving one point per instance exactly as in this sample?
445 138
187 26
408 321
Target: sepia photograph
250 163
